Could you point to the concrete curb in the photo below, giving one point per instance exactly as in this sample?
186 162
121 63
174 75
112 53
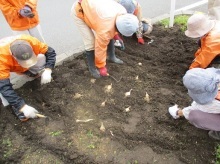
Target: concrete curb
19 80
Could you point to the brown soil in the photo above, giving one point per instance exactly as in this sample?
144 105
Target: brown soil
145 134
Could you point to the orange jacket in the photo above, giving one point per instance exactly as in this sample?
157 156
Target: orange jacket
100 17
7 61
210 48
11 8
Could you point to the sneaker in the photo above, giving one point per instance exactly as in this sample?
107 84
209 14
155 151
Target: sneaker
214 134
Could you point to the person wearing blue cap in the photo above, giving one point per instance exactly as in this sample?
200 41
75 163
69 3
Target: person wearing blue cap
145 25
204 112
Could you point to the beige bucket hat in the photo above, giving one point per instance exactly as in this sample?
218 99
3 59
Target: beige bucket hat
198 25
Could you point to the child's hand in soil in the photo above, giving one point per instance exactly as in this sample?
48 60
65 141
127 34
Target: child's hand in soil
173 110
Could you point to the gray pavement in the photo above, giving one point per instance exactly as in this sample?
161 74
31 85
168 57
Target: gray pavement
60 31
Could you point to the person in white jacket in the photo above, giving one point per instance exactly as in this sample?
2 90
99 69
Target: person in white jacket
204 112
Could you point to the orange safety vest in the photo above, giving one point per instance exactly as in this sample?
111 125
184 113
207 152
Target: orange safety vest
7 61
10 10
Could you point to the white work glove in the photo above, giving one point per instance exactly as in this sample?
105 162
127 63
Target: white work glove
29 111
46 76
173 111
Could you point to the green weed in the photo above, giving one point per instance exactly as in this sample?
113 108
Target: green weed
56 133
7 142
91 146
218 154
90 134
180 20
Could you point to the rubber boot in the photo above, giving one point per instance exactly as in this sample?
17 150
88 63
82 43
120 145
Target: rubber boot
91 63
214 134
111 53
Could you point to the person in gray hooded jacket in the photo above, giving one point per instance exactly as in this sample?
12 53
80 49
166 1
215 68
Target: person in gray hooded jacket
204 112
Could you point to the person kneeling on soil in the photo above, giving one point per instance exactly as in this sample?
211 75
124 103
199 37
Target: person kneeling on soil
27 55
145 26
204 112
199 25
105 19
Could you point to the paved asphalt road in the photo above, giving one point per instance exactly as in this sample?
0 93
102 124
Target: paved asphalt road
58 27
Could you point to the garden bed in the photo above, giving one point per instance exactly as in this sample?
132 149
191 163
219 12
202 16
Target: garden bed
145 134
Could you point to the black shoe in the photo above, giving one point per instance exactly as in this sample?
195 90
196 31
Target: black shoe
214 134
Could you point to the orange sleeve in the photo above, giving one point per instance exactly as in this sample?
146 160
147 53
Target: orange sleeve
101 44
9 11
205 55
4 71
210 48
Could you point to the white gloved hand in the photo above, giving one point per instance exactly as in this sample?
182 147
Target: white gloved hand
173 111
46 76
29 111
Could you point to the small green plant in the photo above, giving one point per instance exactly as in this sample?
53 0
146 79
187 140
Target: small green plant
89 134
56 133
7 142
91 146
135 162
180 20
218 154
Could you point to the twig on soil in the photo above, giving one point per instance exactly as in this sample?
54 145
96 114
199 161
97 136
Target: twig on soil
117 81
84 120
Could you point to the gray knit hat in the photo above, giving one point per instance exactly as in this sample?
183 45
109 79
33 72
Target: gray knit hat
128 5
202 84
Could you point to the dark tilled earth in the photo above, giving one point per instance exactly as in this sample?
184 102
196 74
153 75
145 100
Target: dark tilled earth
144 134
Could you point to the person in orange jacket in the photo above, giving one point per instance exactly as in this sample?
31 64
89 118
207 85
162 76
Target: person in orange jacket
200 26
145 26
98 23
22 17
214 9
23 54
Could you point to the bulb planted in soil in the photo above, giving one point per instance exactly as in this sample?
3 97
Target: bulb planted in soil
127 109
93 81
77 96
147 97
108 88
128 93
102 128
103 104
